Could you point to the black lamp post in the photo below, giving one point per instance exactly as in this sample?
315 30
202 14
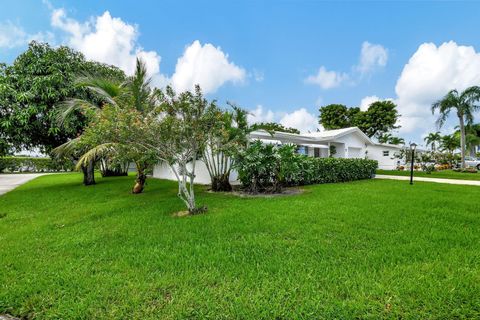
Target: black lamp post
413 146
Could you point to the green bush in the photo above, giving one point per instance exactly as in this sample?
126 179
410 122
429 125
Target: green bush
29 164
268 168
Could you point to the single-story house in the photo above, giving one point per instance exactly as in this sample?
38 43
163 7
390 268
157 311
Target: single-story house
343 143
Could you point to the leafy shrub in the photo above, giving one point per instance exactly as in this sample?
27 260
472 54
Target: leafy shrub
268 168
428 168
29 164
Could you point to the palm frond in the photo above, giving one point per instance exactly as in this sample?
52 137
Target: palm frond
96 153
66 108
106 89
69 148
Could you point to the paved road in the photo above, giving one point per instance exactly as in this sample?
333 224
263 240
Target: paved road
11 181
437 180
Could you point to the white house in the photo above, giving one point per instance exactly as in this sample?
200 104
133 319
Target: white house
343 143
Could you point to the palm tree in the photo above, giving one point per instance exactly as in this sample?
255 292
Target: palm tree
384 138
135 94
432 139
449 143
103 91
464 104
229 134
396 140
473 138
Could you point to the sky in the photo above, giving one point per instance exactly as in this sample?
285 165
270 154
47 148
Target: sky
281 60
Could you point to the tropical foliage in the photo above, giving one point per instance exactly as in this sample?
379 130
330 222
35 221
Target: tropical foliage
268 168
228 134
126 103
464 104
388 138
32 87
433 140
380 117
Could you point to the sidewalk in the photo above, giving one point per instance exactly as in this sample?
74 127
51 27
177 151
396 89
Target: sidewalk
437 180
9 182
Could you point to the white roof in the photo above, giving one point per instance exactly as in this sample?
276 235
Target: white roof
337 133
331 133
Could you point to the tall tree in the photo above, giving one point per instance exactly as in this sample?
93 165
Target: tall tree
380 118
337 116
433 139
31 88
464 104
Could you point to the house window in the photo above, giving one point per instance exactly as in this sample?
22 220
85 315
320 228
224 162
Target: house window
316 152
302 150
386 153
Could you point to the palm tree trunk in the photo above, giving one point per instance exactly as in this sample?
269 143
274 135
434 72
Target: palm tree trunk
462 139
89 173
140 180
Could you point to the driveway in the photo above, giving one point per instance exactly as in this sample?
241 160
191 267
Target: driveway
437 180
11 181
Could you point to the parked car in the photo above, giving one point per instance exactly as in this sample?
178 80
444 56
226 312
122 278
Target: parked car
472 162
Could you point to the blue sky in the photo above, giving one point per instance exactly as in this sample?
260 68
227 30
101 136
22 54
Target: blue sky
260 54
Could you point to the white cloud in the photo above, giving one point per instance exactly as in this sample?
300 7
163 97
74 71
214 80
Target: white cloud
300 119
371 57
106 39
260 115
327 79
367 101
207 66
258 75
12 36
429 74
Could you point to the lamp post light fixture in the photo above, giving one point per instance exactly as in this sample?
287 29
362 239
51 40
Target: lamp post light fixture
413 146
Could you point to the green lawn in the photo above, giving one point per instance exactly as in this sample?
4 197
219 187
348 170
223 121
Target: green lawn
368 249
444 174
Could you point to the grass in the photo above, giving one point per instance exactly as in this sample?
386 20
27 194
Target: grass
367 250
444 174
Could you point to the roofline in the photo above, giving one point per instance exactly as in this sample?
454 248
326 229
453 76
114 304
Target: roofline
354 129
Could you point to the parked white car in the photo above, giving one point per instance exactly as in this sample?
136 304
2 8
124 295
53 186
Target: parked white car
472 162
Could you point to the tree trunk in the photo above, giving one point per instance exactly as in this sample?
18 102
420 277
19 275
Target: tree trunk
89 173
462 139
221 183
140 180
107 170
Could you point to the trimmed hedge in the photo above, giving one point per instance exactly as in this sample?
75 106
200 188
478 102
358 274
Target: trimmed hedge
29 164
268 168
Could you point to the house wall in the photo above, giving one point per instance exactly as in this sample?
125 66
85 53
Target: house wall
348 146
375 152
163 171
354 143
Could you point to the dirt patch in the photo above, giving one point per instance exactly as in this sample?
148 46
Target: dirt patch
179 214
7 317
